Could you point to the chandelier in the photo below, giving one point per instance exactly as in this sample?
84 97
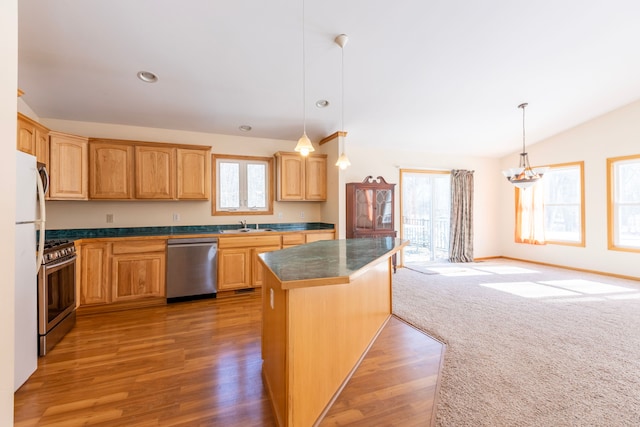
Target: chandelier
524 176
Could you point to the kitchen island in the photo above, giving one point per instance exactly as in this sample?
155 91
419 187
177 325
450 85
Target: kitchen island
324 303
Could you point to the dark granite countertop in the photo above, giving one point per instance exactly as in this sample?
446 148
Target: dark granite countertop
95 233
328 259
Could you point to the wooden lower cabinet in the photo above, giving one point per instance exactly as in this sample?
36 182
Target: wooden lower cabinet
237 262
139 275
131 272
93 276
257 269
234 269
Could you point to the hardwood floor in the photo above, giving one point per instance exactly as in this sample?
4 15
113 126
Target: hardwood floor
198 364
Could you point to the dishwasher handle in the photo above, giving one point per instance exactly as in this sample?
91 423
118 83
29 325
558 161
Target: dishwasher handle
202 241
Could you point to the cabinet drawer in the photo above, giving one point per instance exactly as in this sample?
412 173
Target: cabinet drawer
293 239
138 246
314 237
248 241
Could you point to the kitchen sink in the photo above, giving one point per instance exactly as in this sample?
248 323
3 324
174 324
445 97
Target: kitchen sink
246 230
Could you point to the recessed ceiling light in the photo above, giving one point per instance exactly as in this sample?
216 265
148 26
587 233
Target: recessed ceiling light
322 103
245 128
147 76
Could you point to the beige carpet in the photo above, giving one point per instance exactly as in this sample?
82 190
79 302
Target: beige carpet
528 345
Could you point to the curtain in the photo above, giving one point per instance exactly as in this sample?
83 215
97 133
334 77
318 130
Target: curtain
530 215
461 231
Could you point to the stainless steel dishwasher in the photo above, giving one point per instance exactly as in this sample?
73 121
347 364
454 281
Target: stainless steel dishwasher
192 266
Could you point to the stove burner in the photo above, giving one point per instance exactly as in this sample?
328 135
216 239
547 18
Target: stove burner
48 244
58 250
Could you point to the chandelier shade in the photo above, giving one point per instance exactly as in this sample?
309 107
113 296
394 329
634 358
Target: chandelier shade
524 176
304 146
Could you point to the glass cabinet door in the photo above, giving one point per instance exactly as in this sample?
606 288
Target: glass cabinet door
364 209
384 210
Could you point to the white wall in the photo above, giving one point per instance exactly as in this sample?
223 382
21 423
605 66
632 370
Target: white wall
387 163
611 135
8 90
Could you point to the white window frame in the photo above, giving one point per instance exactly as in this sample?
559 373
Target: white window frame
243 162
581 238
615 203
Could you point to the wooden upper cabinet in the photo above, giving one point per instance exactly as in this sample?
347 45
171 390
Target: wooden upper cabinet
316 177
138 170
290 171
26 135
33 138
155 174
194 169
301 178
111 170
68 167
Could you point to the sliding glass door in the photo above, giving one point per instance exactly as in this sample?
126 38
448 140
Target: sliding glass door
425 208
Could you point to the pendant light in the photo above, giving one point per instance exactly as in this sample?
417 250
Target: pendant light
343 161
524 176
304 146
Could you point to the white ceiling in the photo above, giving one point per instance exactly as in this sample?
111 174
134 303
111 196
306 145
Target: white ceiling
430 75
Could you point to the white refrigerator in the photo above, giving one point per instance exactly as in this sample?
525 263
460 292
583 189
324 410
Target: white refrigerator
30 217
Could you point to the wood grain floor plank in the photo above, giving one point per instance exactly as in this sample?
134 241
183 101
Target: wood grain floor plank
199 364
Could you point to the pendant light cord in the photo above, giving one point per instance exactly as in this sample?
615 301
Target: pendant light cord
523 134
342 87
304 81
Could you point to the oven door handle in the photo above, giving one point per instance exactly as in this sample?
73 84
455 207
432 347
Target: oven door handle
59 263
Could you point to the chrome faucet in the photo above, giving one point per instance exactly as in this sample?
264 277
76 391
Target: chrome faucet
244 223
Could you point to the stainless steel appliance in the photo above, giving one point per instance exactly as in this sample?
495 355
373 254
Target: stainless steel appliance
191 268
56 293
30 220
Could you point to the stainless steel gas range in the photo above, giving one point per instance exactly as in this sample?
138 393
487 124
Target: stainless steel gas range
56 293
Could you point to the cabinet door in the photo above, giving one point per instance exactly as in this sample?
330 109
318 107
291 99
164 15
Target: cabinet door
194 174
384 210
110 171
316 178
68 167
26 136
234 268
136 276
290 170
42 145
33 138
155 172
257 270
364 209
93 286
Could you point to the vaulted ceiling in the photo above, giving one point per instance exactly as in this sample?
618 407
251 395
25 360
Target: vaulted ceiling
429 75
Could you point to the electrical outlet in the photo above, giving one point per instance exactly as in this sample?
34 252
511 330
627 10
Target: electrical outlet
109 218
176 217
301 214
279 215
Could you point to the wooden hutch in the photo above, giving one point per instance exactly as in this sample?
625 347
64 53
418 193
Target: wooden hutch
370 209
